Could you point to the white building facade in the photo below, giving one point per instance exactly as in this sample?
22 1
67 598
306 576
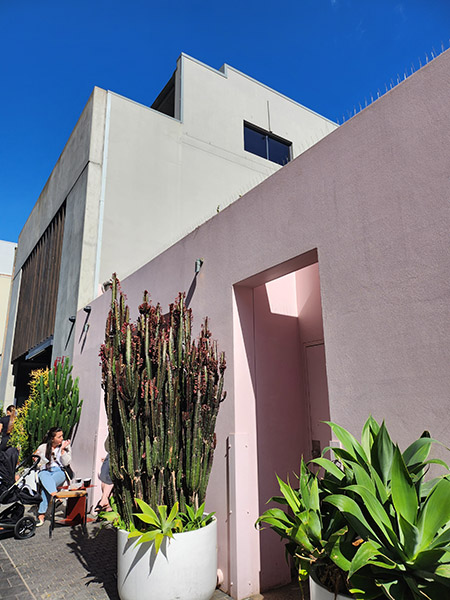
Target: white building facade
7 253
131 181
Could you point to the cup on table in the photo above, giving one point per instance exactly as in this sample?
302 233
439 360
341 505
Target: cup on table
87 482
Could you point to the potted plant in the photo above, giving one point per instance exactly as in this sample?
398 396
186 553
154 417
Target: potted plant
370 519
162 395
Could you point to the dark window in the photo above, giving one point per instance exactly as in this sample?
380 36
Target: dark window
165 102
265 144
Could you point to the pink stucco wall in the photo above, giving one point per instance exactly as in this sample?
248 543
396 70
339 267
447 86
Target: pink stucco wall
372 198
281 417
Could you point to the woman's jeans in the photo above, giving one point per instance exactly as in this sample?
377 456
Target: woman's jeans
50 480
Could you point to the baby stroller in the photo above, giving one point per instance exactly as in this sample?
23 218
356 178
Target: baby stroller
14 494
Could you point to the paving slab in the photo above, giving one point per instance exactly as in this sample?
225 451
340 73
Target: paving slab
70 565
75 566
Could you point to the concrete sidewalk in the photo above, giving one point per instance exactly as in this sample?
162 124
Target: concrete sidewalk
73 566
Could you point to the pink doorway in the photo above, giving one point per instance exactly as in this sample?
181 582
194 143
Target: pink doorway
282 332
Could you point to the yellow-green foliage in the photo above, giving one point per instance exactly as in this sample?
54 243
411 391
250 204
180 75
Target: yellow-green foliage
54 402
20 437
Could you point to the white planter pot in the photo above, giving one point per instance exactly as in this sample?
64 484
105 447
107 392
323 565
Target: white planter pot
185 567
317 592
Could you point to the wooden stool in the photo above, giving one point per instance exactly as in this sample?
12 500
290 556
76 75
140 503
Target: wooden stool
76 509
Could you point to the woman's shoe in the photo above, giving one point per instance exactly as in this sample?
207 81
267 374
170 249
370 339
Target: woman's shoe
40 523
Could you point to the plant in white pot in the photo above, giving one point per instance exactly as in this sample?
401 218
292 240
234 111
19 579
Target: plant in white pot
162 395
372 526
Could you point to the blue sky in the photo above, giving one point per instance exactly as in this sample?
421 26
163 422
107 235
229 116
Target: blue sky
330 55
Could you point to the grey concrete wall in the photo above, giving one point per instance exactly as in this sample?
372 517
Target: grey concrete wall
70 165
77 273
76 179
372 197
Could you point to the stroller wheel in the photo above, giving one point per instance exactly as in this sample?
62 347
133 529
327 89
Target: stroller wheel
24 528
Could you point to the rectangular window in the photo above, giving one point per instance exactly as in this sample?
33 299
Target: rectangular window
265 144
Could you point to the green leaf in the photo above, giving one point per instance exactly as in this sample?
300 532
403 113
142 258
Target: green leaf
353 513
381 488
382 453
376 511
315 525
109 516
134 534
276 518
349 442
147 519
409 537
174 512
404 496
290 495
299 536
364 554
200 511
396 589
363 478
443 538
343 455
314 495
435 514
429 559
443 571
329 467
146 509
436 461
334 550
368 434
149 536
158 541
162 509
418 451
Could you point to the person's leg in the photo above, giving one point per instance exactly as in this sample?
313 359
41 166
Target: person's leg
50 480
106 492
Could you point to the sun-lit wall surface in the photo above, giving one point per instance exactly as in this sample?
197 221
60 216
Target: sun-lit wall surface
7 252
372 206
166 175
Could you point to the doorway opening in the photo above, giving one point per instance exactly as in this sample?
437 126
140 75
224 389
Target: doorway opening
280 319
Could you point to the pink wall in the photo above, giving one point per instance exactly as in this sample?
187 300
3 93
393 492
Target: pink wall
281 416
310 322
372 197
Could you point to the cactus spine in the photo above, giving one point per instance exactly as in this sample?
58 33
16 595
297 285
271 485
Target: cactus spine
162 393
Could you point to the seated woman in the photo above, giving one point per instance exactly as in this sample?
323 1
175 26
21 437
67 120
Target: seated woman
55 453
6 426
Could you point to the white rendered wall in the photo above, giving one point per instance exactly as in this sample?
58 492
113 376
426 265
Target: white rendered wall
7 253
164 177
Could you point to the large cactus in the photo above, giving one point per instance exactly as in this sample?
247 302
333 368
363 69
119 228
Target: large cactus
162 394
54 402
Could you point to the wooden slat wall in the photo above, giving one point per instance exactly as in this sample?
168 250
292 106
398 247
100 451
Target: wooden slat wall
39 289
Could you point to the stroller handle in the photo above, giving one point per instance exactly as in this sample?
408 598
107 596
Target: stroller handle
35 459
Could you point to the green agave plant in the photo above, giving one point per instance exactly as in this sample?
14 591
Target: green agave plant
313 531
371 519
402 521
158 525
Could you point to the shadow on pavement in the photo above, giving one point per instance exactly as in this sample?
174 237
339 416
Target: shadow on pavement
97 555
